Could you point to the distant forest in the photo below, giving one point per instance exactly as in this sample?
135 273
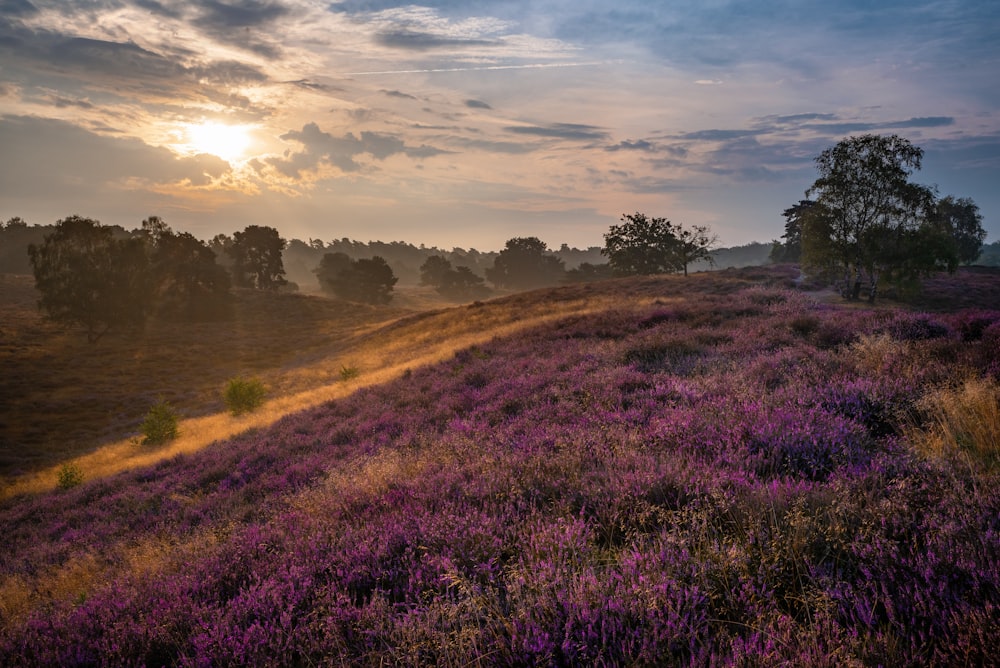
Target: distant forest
301 258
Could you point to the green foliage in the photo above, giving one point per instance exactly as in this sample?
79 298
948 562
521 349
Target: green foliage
70 475
791 249
160 424
256 255
349 373
525 263
243 395
961 220
88 277
870 222
644 245
368 280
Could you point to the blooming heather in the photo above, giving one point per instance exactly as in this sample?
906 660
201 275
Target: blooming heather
721 478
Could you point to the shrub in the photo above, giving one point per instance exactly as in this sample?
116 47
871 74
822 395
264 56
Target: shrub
160 424
243 395
349 373
70 476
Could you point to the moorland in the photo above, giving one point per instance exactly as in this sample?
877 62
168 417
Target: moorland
707 470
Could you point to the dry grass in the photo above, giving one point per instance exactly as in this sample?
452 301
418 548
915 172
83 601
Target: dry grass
68 401
962 422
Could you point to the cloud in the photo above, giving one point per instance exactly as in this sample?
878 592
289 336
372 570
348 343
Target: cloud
477 104
719 135
239 13
570 131
399 94
423 41
17 8
849 127
627 145
59 159
63 102
241 23
323 148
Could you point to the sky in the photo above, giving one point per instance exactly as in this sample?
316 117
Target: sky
466 123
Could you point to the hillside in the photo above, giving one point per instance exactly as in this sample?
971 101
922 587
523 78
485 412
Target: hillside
648 471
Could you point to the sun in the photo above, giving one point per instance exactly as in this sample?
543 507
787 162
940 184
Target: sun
229 142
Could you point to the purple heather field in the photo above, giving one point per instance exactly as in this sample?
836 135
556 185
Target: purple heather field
729 474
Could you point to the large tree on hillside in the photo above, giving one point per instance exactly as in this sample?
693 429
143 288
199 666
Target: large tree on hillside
649 245
869 204
640 245
873 223
525 263
88 277
256 254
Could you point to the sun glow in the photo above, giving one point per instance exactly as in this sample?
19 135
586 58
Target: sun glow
229 142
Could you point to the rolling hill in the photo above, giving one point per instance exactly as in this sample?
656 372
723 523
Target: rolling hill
653 471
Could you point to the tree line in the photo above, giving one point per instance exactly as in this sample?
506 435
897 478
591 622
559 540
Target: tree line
103 277
863 222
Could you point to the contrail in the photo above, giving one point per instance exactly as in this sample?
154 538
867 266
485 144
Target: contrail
482 68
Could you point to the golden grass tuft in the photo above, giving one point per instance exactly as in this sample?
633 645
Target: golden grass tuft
962 422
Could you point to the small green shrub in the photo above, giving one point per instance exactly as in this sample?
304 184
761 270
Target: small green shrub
160 424
70 475
349 373
244 395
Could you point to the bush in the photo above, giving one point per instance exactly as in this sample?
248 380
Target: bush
160 424
244 395
70 476
349 373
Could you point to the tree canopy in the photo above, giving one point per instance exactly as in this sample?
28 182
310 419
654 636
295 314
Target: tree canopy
455 283
256 255
870 221
525 263
88 277
188 281
368 280
651 245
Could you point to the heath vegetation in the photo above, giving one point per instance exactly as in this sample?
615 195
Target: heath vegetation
705 471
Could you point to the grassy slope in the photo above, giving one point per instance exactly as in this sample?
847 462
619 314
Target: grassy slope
701 470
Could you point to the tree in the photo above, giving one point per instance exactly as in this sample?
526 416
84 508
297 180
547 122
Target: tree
644 245
256 254
791 249
88 277
523 264
693 244
364 280
867 198
961 219
640 245
188 281
330 266
434 270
